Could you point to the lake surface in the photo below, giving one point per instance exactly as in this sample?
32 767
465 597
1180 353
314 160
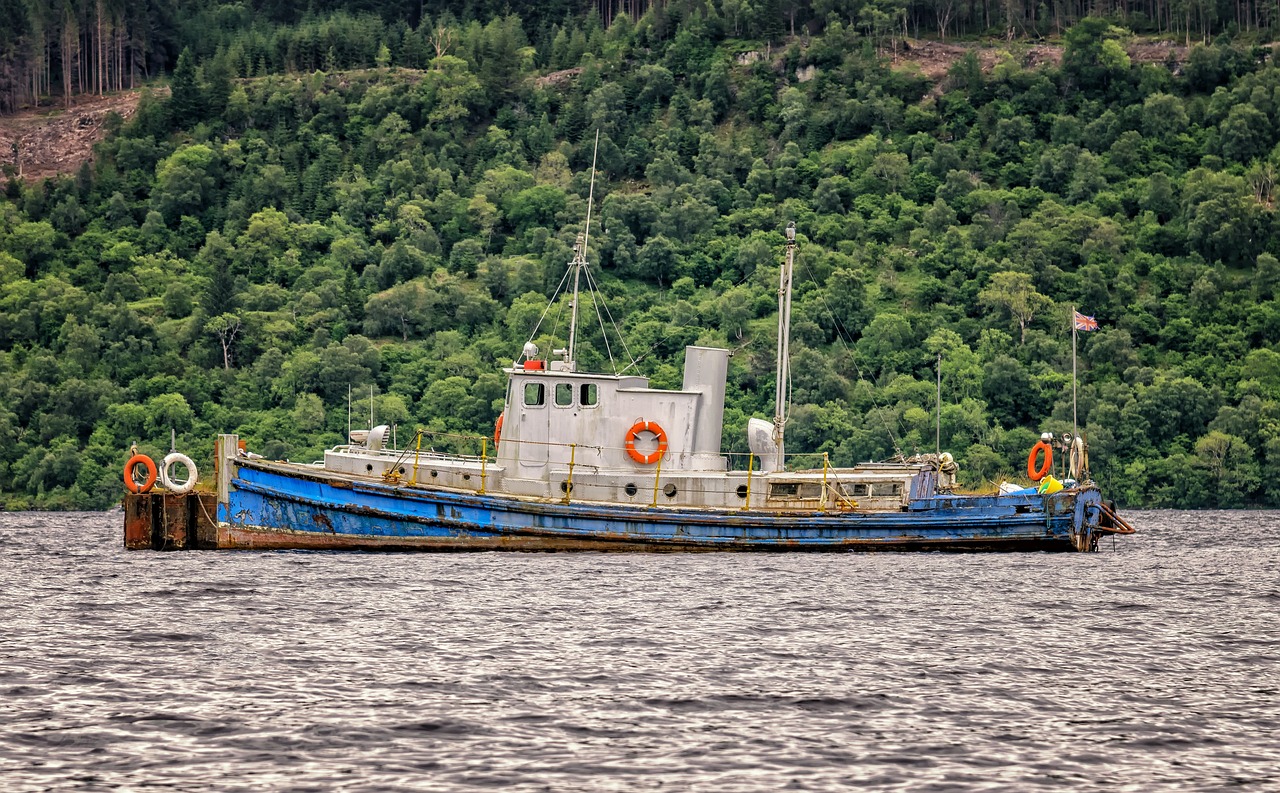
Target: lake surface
1153 666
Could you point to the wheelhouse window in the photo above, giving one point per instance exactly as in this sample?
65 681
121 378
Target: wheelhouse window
534 394
865 489
564 394
795 490
588 395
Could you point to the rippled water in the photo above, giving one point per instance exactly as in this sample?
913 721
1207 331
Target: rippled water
1153 666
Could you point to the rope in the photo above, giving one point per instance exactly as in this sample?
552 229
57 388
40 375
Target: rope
207 517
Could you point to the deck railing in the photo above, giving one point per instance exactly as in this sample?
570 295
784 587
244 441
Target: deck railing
832 493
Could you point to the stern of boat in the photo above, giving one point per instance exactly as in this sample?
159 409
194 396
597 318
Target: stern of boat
1093 518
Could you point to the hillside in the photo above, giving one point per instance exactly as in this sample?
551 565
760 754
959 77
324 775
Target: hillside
246 250
55 141
38 143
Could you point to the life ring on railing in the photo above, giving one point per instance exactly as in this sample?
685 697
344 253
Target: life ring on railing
166 476
646 426
1035 473
497 429
130 483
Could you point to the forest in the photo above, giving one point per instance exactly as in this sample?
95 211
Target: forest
52 51
346 202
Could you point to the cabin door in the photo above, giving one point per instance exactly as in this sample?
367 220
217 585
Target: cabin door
535 418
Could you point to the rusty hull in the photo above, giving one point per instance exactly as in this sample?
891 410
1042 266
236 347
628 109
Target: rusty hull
280 506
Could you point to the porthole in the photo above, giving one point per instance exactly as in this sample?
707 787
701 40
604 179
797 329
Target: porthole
466 477
742 491
402 469
566 487
368 468
630 489
435 473
670 491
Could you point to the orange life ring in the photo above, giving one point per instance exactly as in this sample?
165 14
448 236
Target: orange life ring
497 429
130 483
1035 473
646 426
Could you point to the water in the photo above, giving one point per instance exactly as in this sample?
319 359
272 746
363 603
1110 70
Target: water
1153 666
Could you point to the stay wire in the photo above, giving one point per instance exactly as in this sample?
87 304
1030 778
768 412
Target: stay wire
563 279
670 332
604 335
853 359
603 304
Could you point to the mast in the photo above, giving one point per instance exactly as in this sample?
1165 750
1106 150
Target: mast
784 344
580 261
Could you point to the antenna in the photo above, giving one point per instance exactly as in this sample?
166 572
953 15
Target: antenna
591 194
580 261
348 413
371 406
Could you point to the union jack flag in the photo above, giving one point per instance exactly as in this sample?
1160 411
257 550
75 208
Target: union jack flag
1085 323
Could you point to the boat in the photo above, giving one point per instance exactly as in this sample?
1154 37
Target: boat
606 462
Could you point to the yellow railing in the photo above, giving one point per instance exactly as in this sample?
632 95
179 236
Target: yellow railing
833 495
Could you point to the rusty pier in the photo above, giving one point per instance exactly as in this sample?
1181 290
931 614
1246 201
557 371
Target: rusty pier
159 521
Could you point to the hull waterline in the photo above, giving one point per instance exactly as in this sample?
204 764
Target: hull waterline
273 507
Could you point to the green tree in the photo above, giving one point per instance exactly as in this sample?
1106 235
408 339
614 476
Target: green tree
186 100
185 182
1233 472
1014 292
1093 56
405 309
1245 134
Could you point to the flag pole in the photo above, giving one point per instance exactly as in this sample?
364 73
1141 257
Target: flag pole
937 437
1074 428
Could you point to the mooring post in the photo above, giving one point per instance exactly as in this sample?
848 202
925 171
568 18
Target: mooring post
225 452
173 521
203 529
137 521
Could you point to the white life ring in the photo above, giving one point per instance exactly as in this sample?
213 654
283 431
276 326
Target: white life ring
1079 457
166 478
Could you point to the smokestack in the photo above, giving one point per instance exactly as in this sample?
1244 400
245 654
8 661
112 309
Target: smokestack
705 370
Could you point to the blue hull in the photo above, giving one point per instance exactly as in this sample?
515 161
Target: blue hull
272 507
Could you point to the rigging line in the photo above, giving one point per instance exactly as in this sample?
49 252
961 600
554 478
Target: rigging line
555 328
853 358
636 361
603 334
595 287
550 302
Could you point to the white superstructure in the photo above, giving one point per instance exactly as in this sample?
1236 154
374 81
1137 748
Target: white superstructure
611 438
